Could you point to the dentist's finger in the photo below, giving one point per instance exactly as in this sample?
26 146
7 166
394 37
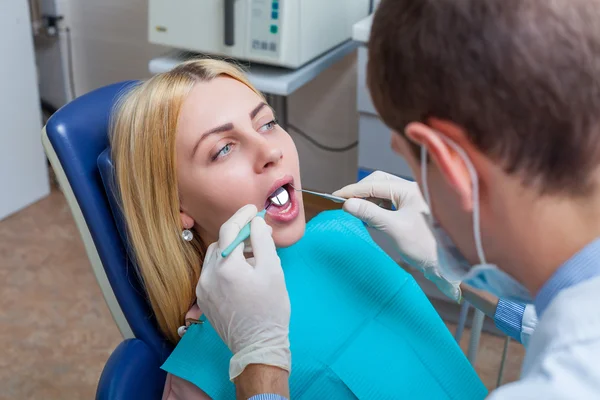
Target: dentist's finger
347 191
230 229
377 189
396 192
368 212
262 242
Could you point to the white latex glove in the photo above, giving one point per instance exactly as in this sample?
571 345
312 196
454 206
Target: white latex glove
406 226
246 301
528 324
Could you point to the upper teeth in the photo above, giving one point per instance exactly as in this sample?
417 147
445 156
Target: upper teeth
280 197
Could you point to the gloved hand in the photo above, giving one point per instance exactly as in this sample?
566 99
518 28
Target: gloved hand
406 226
246 300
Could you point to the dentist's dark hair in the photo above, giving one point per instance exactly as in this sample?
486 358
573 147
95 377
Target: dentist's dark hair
522 77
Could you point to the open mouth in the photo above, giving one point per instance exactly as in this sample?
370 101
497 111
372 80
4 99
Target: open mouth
281 204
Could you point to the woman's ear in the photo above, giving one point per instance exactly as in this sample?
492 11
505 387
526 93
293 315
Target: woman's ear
446 158
186 221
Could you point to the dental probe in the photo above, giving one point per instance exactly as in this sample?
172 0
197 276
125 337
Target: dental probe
243 235
245 231
336 199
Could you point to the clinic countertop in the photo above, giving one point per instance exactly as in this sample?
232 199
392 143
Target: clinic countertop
268 79
362 30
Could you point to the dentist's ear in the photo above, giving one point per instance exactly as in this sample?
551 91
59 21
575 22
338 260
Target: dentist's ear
444 156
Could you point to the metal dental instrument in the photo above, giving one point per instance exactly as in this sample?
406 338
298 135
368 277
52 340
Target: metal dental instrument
243 235
280 197
336 199
331 197
277 200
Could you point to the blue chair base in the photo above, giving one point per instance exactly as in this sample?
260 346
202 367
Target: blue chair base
131 372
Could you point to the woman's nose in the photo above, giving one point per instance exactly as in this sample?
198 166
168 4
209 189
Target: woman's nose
268 155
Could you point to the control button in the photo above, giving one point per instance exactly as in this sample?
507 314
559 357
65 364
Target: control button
274 15
273 28
264 45
256 44
275 5
272 46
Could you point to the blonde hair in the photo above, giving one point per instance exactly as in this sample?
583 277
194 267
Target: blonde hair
143 151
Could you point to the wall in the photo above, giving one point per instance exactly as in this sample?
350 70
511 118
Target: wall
23 172
109 41
325 109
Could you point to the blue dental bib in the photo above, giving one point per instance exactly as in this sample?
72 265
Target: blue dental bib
360 327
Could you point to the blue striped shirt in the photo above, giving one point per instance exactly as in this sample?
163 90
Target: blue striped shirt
267 396
509 318
583 266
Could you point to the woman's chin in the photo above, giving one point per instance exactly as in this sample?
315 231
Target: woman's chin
285 236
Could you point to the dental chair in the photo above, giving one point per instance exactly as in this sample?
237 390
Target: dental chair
76 143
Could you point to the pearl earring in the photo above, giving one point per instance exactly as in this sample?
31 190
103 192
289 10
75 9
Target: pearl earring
187 235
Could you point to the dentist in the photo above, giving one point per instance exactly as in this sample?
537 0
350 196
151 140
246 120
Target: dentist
494 105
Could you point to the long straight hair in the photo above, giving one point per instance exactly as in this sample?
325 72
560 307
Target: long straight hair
143 151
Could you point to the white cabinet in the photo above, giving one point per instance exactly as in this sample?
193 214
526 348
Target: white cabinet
23 170
374 151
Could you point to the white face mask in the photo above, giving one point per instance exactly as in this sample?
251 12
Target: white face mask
452 263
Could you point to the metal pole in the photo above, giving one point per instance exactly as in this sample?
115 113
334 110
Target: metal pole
476 327
462 319
504 355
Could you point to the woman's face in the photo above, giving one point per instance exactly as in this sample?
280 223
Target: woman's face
230 153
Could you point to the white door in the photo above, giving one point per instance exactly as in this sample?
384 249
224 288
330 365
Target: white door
23 171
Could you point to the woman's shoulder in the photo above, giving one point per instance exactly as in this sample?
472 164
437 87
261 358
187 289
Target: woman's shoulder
180 389
177 388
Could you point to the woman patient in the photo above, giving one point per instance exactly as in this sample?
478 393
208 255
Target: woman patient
191 147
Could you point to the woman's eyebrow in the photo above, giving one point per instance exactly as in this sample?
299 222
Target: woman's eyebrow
222 128
256 110
226 127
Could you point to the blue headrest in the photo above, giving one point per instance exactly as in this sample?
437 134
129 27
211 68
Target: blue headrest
78 132
107 172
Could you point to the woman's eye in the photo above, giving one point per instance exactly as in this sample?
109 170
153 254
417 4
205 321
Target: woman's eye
268 126
224 151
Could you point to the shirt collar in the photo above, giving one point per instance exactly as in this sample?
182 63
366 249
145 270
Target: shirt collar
583 266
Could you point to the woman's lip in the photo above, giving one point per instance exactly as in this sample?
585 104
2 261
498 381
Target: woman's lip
279 183
292 210
287 179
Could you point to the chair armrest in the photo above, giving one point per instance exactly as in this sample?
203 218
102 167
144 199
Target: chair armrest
480 299
131 372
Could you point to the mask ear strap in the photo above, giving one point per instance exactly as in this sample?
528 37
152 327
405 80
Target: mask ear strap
424 175
475 187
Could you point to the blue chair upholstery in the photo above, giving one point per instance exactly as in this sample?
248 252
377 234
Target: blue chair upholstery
131 372
78 134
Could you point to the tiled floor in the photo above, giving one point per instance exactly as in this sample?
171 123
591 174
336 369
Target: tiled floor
55 328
